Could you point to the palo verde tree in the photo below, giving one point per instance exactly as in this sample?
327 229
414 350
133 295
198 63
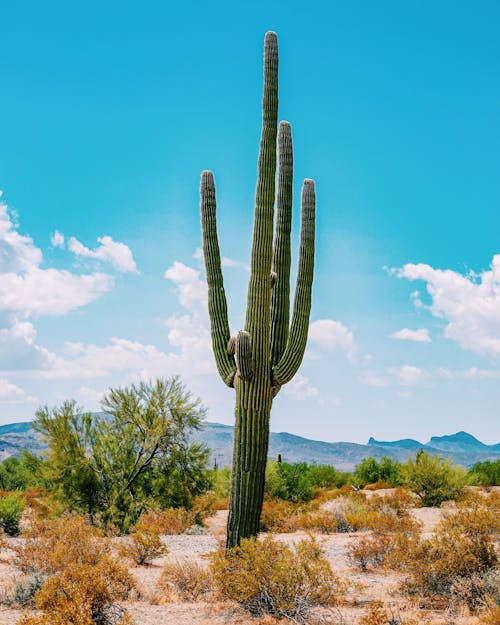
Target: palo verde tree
268 352
137 455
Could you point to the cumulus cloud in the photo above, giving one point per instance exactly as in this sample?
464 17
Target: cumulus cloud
50 291
12 394
57 239
27 289
330 334
470 303
408 375
372 379
420 336
193 292
117 254
299 388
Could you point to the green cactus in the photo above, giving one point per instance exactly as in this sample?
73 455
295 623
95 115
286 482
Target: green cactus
267 354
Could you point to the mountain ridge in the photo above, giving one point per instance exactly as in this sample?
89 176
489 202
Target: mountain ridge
461 447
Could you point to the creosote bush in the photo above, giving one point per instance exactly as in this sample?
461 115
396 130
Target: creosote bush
82 594
144 543
185 580
82 580
11 510
269 577
461 548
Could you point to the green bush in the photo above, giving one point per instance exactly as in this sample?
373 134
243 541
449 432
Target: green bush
325 476
433 479
13 474
485 474
289 482
370 471
11 510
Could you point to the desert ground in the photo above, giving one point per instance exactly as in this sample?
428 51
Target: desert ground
148 607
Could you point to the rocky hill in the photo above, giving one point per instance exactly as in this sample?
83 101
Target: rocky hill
462 448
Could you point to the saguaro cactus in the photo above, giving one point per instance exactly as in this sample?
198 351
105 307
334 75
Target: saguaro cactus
268 352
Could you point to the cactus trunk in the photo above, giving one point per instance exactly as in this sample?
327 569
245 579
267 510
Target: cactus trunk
267 353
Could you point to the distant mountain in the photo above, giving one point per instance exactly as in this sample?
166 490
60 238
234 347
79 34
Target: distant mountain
405 443
461 448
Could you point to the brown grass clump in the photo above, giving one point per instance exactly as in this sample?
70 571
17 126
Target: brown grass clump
144 543
269 577
436 563
83 594
171 521
185 580
48 547
378 614
81 580
491 616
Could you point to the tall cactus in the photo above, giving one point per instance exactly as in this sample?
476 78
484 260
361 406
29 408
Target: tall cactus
268 352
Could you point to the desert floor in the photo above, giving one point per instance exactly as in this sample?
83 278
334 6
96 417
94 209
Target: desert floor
148 609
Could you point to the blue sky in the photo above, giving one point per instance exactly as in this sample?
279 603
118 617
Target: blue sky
109 112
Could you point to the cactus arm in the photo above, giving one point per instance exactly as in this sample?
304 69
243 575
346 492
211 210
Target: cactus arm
243 355
258 314
280 298
217 305
297 338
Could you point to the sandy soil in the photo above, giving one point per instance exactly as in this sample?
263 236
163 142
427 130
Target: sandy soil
369 586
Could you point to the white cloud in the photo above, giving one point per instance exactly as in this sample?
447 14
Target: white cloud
27 289
300 389
330 334
57 239
117 254
408 375
470 304
193 293
17 251
12 394
372 379
50 291
420 336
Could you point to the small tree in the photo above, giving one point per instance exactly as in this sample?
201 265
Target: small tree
369 471
433 479
138 454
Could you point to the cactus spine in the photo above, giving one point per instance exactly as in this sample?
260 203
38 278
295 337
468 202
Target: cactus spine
267 354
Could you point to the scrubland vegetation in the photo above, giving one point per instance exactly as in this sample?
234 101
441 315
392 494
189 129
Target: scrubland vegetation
121 521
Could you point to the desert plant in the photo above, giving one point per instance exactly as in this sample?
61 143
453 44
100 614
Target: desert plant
83 594
433 479
386 470
143 543
11 510
113 468
184 579
268 352
49 546
288 481
269 577
485 473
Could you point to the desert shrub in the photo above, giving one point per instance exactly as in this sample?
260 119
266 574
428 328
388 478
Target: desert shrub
24 592
13 474
269 577
288 481
476 591
386 471
325 476
391 539
400 499
49 546
378 614
437 562
278 516
171 521
83 594
143 544
320 521
433 479
485 473
11 510
186 580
